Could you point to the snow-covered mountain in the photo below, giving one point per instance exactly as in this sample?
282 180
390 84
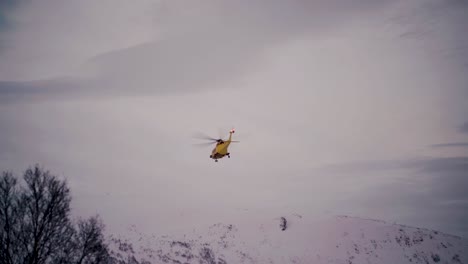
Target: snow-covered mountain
295 239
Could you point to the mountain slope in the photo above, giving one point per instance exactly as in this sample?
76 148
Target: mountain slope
340 239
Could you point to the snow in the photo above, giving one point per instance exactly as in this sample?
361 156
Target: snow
256 239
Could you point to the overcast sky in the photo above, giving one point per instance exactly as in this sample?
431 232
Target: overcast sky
341 108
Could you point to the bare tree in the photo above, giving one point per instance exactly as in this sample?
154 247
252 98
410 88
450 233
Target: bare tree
8 218
90 241
35 225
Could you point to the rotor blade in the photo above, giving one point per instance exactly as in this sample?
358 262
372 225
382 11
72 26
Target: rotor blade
200 135
203 144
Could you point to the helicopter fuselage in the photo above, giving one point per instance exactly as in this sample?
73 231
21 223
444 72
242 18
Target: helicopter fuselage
221 148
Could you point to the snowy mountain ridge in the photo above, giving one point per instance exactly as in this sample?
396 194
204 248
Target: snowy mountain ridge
340 239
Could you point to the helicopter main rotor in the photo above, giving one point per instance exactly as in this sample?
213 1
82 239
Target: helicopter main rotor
211 140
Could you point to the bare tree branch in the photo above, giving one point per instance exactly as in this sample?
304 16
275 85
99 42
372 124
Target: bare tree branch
35 225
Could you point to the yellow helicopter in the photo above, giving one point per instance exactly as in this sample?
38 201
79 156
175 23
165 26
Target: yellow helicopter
221 148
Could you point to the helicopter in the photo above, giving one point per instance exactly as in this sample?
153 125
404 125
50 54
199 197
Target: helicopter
221 148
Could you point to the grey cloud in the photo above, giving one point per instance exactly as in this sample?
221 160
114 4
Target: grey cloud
455 144
437 184
371 166
42 90
205 45
439 18
430 165
5 7
448 178
464 128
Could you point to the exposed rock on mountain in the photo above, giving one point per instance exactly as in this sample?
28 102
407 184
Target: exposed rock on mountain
339 239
